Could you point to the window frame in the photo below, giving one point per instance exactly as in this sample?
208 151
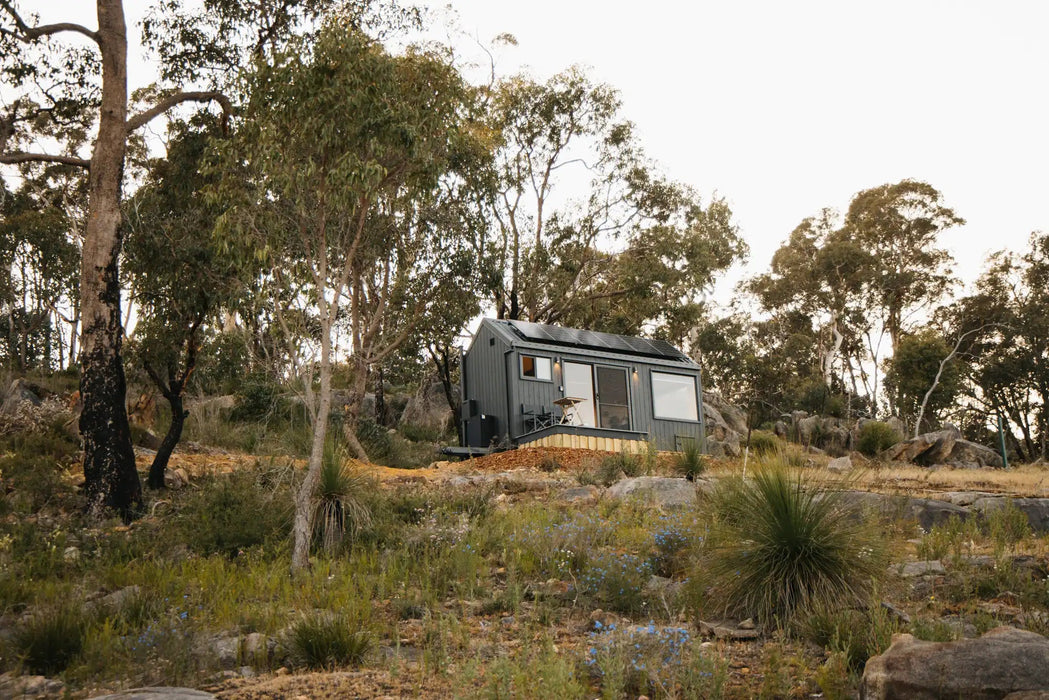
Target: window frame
695 395
521 370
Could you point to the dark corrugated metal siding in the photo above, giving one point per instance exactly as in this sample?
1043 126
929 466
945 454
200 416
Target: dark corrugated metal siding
493 378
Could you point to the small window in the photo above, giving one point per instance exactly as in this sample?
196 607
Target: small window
533 367
674 397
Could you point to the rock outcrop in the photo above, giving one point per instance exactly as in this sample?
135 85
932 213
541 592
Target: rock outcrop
943 447
662 491
1003 661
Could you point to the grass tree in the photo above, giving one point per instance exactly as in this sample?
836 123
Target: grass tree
331 184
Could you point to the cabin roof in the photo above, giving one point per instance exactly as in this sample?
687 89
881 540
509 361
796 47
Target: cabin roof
543 334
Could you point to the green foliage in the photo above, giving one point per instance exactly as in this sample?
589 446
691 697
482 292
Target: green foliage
762 443
913 369
340 509
50 640
234 513
328 641
259 397
778 546
875 436
690 461
855 634
616 581
615 466
533 673
1007 526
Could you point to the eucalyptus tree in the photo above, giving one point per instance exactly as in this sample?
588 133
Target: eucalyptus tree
333 182
39 257
819 272
76 92
632 244
54 88
178 279
899 226
1007 318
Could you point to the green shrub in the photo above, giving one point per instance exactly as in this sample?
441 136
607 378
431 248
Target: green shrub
618 465
690 460
762 443
876 436
854 634
233 513
325 641
616 581
778 546
1007 526
49 641
933 630
259 397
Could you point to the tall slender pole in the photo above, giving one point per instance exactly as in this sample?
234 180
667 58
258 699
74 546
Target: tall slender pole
1001 442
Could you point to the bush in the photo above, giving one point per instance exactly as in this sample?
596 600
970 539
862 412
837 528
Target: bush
856 635
690 460
48 642
617 582
615 466
325 641
259 397
778 546
876 436
233 513
762 443
549 463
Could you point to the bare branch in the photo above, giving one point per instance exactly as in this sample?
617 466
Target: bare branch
26 34
22 157
178 98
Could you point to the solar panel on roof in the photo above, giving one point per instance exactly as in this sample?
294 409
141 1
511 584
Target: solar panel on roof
578 337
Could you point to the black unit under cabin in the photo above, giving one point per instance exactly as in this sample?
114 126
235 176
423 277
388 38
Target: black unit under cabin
529 384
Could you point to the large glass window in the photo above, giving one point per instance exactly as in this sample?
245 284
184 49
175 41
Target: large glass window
674 396
533 367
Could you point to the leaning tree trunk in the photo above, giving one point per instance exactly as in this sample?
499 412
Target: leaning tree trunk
302 528
171 438
110 477
351 417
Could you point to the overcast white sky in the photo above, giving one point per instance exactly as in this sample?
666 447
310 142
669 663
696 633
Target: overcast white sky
787 107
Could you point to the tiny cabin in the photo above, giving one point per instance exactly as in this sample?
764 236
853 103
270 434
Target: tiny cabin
535 385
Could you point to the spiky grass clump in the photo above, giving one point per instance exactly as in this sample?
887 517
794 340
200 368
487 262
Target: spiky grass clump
779 546
690 460
340 510
325 641
49 641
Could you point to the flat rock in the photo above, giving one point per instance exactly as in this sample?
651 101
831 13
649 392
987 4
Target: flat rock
579 494
1003 661
927 512
663 491
1036 509
15 686
840 464
162 693
963 498
911 569
727 629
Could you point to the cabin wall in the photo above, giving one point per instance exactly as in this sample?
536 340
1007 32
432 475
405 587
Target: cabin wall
492 378
484 378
